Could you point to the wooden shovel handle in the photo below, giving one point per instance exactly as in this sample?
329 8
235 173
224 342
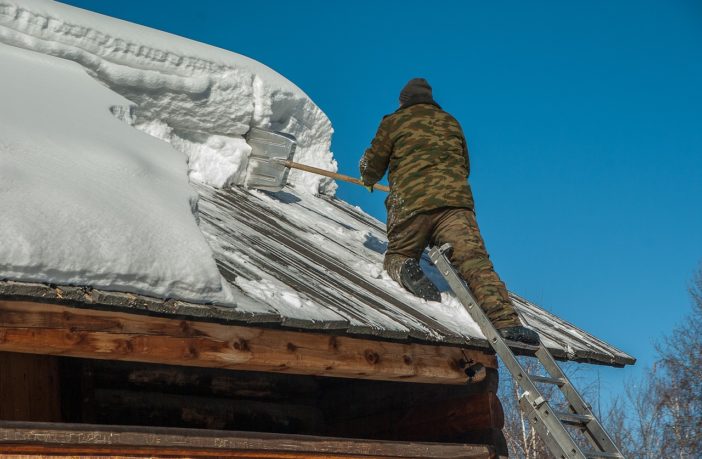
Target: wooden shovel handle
334 175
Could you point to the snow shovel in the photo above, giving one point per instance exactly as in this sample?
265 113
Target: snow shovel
270 162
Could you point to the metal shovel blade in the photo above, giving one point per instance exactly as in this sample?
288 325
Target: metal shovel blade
265 169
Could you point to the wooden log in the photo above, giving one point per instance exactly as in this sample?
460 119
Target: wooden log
130 407
432 421
146 394
37 439
204 381
51 329
369 398
29 387
131 393
141 394
494 437
449 418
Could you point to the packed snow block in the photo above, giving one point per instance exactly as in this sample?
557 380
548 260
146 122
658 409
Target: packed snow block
204 98
86 199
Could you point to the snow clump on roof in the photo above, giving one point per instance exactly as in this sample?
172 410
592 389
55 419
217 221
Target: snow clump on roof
199 98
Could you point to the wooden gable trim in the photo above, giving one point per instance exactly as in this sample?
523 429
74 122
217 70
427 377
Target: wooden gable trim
51 329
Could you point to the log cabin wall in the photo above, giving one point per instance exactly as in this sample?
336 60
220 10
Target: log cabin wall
126 393
73 390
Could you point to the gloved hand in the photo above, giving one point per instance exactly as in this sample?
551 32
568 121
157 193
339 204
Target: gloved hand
369 188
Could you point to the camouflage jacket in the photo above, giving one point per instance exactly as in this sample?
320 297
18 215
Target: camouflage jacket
425 151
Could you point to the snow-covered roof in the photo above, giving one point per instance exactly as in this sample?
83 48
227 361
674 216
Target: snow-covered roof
317 263
98 211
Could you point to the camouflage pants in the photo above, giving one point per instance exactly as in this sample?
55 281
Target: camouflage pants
458 227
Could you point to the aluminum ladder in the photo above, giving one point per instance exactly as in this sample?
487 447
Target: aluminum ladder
548 423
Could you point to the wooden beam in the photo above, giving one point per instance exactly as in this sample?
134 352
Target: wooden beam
116 441
41 328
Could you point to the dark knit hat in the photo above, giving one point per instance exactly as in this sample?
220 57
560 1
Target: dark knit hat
416 88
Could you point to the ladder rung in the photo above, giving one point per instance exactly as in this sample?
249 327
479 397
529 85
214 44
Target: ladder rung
547 380
598 455
574 419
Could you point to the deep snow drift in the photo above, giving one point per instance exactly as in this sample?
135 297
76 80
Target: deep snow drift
199 98
80 202
87 199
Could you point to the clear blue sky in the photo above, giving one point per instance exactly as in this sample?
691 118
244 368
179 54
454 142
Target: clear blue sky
584 122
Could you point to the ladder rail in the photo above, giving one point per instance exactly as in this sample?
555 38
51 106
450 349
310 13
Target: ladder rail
549 427
594 431
552 443
539 411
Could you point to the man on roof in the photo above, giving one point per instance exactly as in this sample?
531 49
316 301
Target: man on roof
430 202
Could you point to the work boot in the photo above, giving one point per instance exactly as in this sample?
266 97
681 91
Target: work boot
414 280
520 334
